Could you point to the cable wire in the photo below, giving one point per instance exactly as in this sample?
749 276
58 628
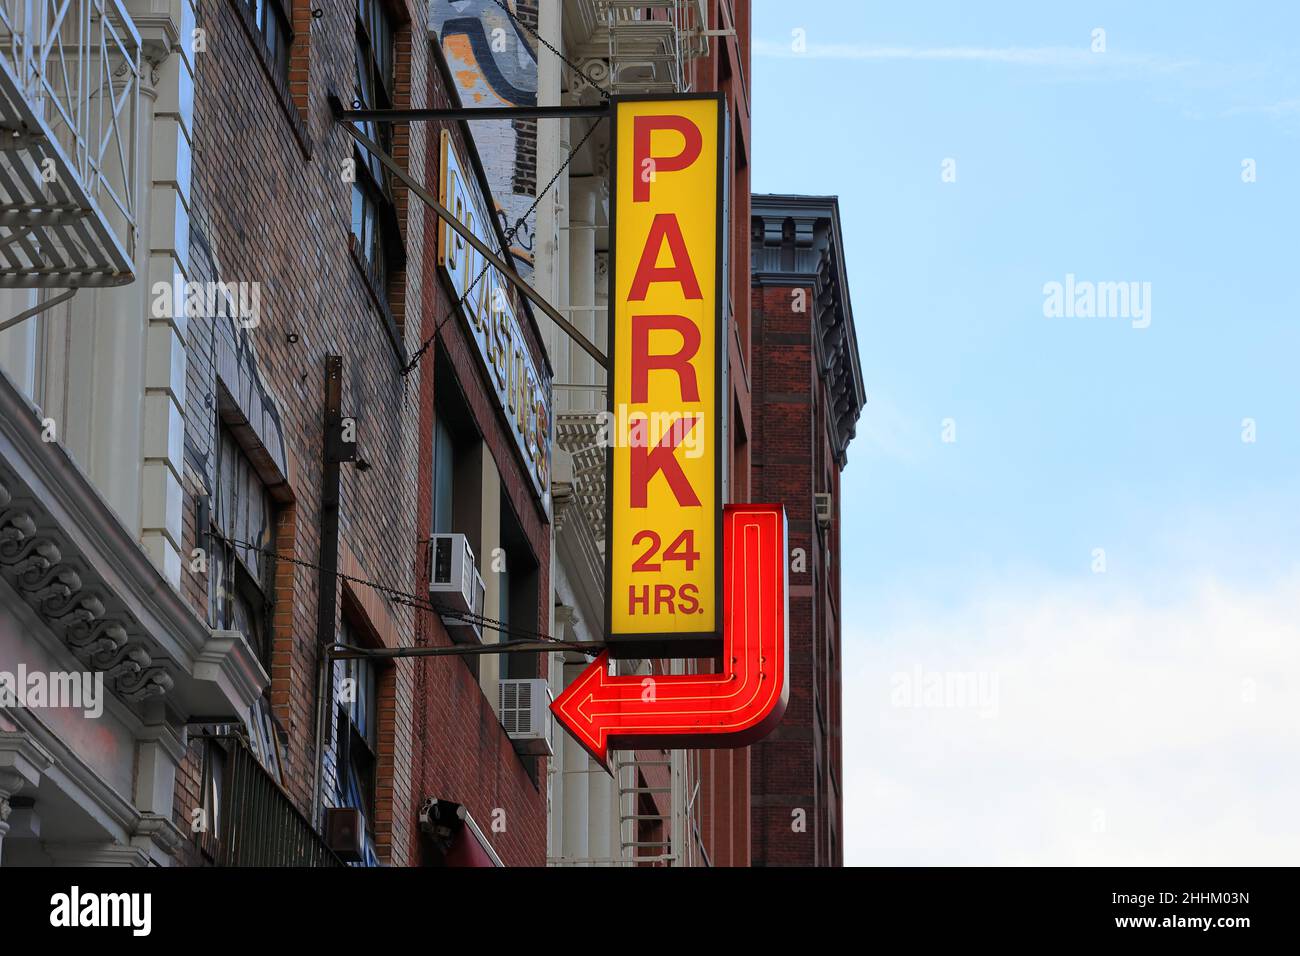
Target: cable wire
510 235
405 598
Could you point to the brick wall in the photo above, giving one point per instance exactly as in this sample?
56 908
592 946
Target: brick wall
463 753
269 205
792 794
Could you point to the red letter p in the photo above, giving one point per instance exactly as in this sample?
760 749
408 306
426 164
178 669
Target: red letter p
642 127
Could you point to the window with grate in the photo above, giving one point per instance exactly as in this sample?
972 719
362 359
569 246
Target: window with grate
240 569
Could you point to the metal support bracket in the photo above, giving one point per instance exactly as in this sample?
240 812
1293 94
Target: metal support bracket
342 652
346 117
473 113
37 310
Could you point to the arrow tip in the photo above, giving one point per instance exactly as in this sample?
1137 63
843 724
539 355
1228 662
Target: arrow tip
570 710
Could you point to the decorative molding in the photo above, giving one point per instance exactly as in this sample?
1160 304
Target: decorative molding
22 761
581 564
67 553
579 434
66 595
97 854
159 831
592 81
229 663
71 774
798 243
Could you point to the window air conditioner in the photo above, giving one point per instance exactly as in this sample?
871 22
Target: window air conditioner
822 499
525 714
344 827
456 584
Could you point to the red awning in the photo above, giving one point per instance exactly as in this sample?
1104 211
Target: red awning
459 838
465 850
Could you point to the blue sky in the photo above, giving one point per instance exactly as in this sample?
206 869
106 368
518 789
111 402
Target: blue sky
1072 434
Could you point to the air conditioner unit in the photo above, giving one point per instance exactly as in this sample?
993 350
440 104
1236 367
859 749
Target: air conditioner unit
344 830
525 714
822 500
455 583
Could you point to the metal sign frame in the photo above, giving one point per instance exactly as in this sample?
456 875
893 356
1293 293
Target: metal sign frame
652 643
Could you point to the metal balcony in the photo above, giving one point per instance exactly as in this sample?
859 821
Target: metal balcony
69 102
647 42
252 820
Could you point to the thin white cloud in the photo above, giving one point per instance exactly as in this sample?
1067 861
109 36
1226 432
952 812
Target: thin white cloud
1124 731
1276 110
1056 57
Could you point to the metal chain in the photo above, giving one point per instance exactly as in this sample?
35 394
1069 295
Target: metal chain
604 94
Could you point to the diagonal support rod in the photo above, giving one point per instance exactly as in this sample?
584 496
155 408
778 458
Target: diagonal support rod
464 232
339 652
36 310
474 113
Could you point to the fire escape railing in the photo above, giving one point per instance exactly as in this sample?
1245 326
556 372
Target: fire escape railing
651 41
69 103
249 820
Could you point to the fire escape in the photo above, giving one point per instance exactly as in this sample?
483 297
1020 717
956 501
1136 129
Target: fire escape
650 43
69 97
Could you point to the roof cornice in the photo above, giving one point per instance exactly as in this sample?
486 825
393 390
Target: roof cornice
798 241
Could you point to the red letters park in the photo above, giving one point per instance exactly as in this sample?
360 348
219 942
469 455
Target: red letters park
661 459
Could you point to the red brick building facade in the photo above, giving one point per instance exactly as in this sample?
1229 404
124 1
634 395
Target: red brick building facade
808 393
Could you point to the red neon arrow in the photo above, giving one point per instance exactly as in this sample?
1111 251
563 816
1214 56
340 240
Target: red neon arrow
730 709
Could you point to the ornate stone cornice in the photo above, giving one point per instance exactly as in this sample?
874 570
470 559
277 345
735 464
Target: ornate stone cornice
69 597
63 593
68 555
797 241
159 831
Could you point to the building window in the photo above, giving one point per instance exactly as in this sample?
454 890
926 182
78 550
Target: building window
444 473
374 218
213 789
456 455
517 583
239 575
357 740
272 22
243 519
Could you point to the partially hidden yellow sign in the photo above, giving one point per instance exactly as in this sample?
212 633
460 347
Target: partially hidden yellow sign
665 395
